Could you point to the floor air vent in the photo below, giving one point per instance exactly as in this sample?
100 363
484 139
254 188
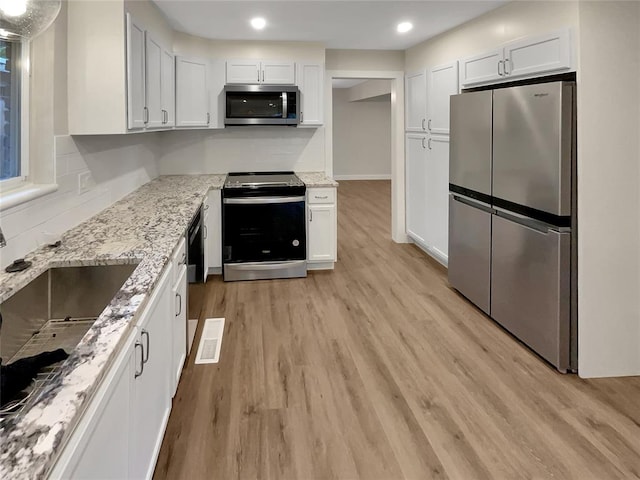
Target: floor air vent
210 341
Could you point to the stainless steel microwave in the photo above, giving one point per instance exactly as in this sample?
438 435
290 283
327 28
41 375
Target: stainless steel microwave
262 105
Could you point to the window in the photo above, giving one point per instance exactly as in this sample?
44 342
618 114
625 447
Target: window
11 161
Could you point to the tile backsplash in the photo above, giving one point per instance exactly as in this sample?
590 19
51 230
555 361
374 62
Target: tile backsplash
112 167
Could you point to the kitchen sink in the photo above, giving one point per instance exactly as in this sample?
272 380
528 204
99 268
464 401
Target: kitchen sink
55 310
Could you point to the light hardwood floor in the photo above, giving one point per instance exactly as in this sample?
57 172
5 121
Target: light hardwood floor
379 370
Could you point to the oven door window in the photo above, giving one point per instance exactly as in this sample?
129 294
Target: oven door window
255 105
264 232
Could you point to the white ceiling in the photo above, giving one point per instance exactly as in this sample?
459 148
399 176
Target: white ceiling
359 24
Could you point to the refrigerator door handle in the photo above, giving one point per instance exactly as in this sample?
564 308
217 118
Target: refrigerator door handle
529 222
473 203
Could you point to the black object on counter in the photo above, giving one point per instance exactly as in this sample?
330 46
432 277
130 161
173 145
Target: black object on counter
18 375
18 265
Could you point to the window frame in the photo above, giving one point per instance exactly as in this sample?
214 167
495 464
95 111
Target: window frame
23 179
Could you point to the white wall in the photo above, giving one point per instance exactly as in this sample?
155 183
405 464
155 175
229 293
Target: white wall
241 149
361 136
369 90
365 59
511 21
608 189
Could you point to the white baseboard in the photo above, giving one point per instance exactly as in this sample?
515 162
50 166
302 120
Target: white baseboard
363 177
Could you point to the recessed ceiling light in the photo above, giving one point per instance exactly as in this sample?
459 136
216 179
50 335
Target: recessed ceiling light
258 23
404 27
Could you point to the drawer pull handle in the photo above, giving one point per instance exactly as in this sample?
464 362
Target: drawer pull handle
179 297
321 198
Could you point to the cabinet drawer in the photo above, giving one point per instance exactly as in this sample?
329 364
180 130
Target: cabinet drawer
178 259
321 195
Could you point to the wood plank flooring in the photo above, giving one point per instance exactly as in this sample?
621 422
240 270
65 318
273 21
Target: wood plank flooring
379 370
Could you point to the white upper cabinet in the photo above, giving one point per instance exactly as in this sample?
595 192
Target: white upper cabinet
278 73
311 84
252 71
481 68
441 84
116 76
136 115
153 83
526 57
168 85
534 55
192 92
243 71
416 102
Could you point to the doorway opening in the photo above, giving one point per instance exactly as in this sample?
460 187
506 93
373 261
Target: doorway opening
337 143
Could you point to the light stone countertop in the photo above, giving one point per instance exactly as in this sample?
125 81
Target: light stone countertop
316 179
144 227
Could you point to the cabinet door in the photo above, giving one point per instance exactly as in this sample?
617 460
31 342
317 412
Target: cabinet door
213 224
135 75
481 68
216 81
168 84
192 95
437 197
416 174
179 328
153 87
541 54
245 71
321 233
442 83
416 102
278 73
100 445
151 400
311 84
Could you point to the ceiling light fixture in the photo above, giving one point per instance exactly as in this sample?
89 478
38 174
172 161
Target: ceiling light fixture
13 8
26 18
258 23
404 27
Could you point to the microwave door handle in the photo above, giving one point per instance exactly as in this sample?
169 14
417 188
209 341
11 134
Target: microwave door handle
284 105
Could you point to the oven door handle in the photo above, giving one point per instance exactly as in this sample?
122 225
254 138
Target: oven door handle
262 200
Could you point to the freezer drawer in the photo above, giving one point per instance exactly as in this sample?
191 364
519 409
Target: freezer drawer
532 146
470 250
470 150
530 287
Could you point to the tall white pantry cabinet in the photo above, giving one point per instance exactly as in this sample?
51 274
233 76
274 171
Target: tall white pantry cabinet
427 156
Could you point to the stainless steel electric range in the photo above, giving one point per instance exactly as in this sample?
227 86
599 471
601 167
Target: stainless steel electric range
263 226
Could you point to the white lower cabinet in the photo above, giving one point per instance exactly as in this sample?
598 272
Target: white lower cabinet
321 227
427 189
101 445
120 434
437 197
213 233
416 175
179 328
151 398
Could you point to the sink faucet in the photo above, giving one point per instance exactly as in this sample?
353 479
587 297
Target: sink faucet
3 241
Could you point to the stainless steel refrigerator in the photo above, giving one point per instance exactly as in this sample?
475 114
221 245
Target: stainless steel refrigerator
512 215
